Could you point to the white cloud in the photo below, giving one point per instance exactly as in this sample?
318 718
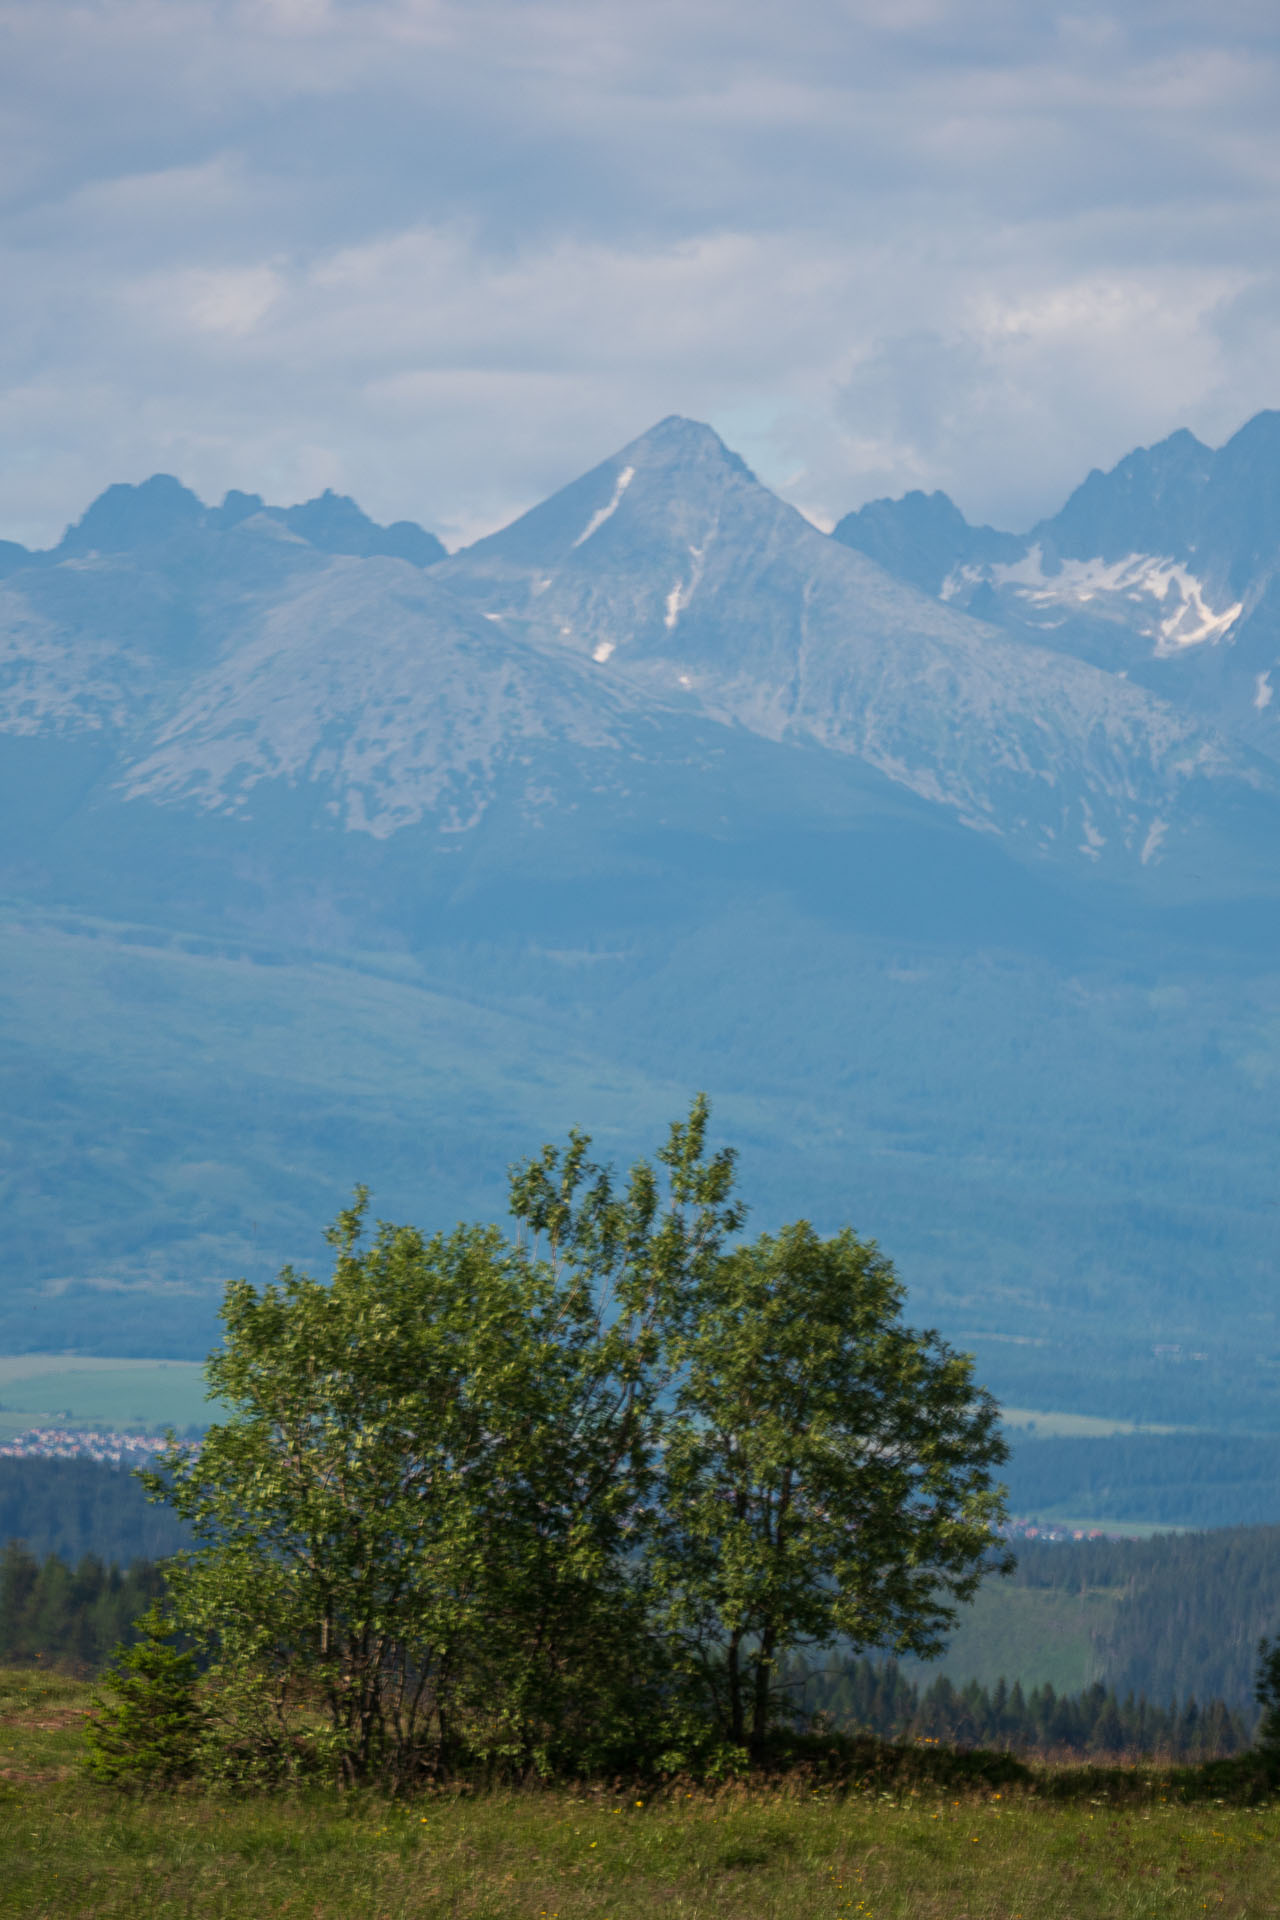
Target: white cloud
446 253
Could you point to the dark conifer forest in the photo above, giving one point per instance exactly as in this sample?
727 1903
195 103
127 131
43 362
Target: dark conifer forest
876 1697
60 1615
77 1507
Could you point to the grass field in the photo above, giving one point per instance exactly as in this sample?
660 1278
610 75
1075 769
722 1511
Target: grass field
70 1848
39 1388
73 1390
1073 1426
1028 1634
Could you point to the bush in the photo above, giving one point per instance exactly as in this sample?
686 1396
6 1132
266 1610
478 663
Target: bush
150 1734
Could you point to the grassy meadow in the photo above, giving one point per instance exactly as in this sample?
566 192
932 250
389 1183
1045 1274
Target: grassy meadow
1034 1635
85 1391
1071 1426
790 1852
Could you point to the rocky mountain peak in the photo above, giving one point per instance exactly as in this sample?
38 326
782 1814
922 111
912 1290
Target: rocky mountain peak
678 574
126 517
666 485
665 586
1148 503
922 538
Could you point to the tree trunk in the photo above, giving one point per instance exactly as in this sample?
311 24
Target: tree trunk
760 1705
737 1730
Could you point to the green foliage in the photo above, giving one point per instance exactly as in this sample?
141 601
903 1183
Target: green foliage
61 1615
149 1734
350 1514
416 1533
827 1471
1267 1694
562 1502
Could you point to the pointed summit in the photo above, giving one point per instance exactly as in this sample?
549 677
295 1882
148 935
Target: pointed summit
1147 503
679 575
635 558
676 459
678 440
125 517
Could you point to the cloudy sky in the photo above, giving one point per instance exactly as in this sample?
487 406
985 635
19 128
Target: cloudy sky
445 254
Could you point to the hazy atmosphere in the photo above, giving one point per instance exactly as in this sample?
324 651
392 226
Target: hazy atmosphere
445 256
639 959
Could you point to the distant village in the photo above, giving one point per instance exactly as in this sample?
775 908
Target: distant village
1047 1530
135 1449
66 1443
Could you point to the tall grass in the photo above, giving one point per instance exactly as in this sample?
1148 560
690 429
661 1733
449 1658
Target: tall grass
1119 1848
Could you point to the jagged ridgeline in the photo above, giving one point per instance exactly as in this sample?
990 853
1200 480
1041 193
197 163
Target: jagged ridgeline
327 855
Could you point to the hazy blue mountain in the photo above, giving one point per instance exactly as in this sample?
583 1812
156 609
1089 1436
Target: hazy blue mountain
675 571
923 538
335 524
1149 503
125 518
1166 570
155 515
319 864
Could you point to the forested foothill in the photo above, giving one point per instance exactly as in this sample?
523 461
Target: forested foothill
76 1507
1188 1479
1189 1609
877 1697
72 1617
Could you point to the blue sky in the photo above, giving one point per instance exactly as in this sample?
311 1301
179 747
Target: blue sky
445 256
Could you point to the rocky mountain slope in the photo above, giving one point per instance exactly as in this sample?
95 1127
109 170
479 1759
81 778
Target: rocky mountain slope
228 651
328 857
1166 570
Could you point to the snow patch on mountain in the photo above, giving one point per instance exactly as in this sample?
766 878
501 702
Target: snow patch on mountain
683 591
1172 606
598 518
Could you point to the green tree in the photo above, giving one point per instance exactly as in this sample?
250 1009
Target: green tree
149 1735
827 1471
418 1532
516 1502
349 1513
1266 1691
584 1678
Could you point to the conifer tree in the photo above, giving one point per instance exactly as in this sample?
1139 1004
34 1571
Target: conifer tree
149 1734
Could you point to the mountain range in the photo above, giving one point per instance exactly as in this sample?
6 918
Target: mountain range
945 858
1165 570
